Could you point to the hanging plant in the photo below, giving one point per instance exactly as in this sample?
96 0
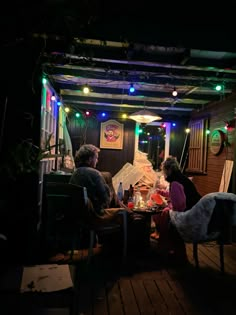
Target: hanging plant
24 158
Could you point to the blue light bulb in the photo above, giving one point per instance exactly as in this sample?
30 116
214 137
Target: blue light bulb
131 89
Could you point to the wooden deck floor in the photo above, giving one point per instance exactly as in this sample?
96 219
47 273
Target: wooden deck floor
145 285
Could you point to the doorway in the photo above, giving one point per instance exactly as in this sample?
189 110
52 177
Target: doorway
153 139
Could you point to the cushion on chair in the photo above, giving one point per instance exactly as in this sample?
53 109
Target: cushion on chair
192 225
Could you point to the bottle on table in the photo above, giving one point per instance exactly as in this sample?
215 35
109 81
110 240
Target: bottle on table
131 191
126 197
137 198
120 192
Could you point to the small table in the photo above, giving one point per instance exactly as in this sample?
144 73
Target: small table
147 213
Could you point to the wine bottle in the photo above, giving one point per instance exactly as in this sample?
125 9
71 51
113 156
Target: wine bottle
131 191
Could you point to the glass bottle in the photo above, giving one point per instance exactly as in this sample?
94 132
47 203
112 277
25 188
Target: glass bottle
120 192
137 198
131 191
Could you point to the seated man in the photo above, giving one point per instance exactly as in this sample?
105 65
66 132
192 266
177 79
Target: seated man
87 176
99 193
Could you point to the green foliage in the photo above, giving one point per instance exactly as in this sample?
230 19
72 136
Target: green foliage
24 158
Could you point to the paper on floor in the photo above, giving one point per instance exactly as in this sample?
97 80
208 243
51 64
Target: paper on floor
46 278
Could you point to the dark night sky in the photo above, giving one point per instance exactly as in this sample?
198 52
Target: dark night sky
162 23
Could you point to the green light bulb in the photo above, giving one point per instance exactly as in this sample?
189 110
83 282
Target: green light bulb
218 87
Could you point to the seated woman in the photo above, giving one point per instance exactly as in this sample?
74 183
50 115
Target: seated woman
183 195
160 195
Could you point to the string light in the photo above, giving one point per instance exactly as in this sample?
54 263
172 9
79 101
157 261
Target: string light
102 115
87 114
132 88
219 87
229 125
86 89
174 92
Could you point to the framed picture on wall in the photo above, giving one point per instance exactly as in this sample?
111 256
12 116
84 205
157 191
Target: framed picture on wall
111 135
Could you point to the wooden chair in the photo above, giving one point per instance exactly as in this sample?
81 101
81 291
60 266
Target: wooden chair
220 226
67 215
56 178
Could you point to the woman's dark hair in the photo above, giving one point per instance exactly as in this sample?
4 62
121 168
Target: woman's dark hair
171 163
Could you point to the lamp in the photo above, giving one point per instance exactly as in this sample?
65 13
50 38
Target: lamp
144 116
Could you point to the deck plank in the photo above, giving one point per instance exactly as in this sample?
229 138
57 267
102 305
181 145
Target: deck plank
142 298
128 297
115 304
170 298
147 285
183 297
230 263
99 300
155 297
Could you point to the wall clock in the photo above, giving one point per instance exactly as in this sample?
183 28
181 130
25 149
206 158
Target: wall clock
217 141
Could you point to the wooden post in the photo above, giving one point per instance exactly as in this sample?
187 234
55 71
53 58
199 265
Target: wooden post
57 139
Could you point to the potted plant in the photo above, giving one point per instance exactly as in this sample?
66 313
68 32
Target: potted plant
19 173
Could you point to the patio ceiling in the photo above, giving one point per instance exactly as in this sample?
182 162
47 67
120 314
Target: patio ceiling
109 46
109 67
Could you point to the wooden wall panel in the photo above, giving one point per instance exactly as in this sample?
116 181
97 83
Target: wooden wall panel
177 139
109 160
218 114
113 160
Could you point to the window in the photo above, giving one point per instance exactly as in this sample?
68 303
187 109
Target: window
197 152
52 121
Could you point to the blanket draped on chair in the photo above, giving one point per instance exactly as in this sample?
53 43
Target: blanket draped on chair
192 225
